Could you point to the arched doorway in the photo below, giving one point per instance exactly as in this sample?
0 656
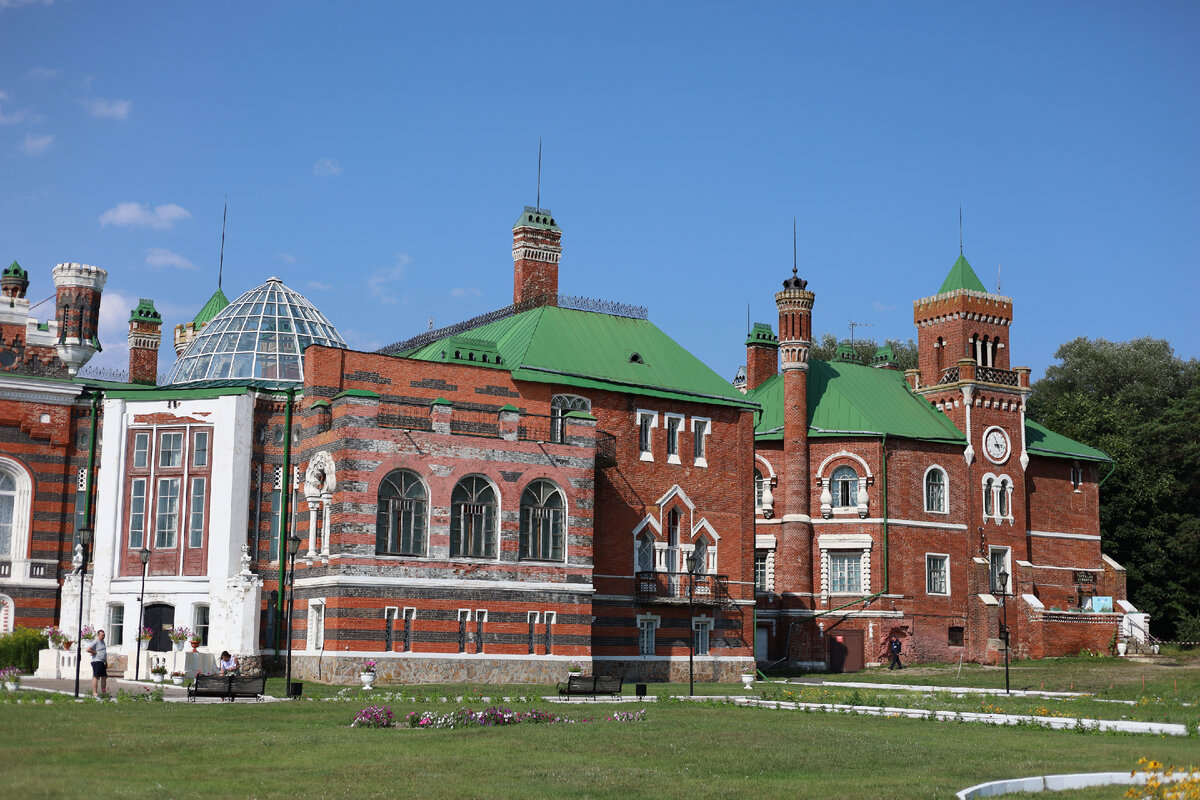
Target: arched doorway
160 618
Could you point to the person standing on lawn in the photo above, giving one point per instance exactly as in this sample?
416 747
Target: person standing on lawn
99 653
894 648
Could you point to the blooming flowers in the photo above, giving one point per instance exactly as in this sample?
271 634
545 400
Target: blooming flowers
374 717
145 634
496 716
10 675
55 635
87 633
179 634
368 666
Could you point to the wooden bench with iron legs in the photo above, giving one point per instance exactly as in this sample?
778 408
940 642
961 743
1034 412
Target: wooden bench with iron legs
590 686
227 687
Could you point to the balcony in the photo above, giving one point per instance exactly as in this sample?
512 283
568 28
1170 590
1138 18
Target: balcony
672 588
1002 377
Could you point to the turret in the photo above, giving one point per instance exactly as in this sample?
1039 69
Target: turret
77 303
145 335
795 304
537 246
762 355
14 282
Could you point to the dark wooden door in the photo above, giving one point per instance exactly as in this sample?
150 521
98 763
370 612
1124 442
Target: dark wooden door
159 618
846 651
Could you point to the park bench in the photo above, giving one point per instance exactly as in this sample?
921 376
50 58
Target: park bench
590 686
227 686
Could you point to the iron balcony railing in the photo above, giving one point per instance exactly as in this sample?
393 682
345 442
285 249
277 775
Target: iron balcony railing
672 587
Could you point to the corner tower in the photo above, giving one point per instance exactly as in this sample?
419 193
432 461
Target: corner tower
537 246
145 335
77 300
14 282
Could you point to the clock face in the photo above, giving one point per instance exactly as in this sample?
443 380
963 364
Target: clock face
995 445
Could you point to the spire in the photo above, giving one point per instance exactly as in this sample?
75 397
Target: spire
961 276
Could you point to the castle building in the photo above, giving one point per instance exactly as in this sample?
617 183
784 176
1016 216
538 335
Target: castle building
922 505
555 481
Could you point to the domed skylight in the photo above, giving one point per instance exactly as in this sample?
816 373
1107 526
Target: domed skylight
260 336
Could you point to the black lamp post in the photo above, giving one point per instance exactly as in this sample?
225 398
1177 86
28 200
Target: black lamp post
85 539
1004 634
691 568
143 554
293 545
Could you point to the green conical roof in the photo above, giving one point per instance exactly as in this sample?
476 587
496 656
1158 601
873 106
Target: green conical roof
215 305
15 269
961 277
145 312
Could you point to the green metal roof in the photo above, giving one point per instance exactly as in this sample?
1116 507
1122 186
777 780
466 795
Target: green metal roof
849 399
215 305
533 217
961 277
761 334
145 312
591 350
1042 441
15 269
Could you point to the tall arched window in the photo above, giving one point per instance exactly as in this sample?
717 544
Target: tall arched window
542 513
987 497
560 405
473 518
400 525
845 487
8 508
15 491
758 489
701 553
935 490
645 552
1004 487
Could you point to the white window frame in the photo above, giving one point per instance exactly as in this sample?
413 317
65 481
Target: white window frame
703 627
1006 563
648 625
206 627
842 544
22 493
839 506
114 632
945 509
8 613
849 558
180 452
141 437
652 418
701 428
1077 476
677 428
315 635
1000 484
945 566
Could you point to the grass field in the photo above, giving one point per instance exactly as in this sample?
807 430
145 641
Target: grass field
681 750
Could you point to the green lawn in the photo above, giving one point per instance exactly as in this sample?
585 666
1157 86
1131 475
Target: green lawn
307 749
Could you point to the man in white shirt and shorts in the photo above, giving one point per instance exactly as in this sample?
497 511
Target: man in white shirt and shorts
99 654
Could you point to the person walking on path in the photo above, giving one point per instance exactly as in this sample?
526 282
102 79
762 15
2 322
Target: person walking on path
894 648
99 654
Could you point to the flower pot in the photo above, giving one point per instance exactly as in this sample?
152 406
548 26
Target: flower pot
177 680
154 676
10 686
1121 648
367 678
748 679
179 646
195 645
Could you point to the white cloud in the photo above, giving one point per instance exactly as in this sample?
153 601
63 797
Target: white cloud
137 215
42 73
35 145
159 257
881 307
468 292
317 286
288 257
381 280
16 116
107 109
326 168
16 3
359 340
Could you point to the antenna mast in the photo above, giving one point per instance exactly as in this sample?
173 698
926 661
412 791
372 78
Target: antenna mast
539 185
999 277
854 325
793 245
960 252
221 268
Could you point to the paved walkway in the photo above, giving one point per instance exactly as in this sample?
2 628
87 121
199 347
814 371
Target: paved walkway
171 692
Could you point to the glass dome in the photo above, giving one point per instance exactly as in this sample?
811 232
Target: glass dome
260 336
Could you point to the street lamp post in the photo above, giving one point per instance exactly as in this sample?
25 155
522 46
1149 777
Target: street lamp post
1004 633
143 554
691 568
293 545
85 539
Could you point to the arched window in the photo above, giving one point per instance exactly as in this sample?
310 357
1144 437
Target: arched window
560 405
845 487
987 497
1004 486
473 518
935 490
701 553
15 490
542 515
400 525
8 508
758 489
645 552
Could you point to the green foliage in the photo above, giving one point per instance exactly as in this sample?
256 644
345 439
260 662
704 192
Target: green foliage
1139 403
20 648
826 348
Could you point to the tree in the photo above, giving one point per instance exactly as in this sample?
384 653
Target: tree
1138 403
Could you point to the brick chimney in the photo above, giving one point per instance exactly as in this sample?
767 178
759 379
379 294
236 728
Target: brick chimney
762 355
145 334
536 250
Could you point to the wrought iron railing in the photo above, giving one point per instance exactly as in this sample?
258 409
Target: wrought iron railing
673 587
1005 377
949 375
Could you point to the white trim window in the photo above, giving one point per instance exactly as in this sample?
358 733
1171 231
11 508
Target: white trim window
845 572
8 613
115 634
473 515
702 628
167 514
935 491
674 423
844 484
402 514
543 522
647 421
560 406
1076 476
701 428
200 623
999 559
764 570
997 498
845 563
647 630
316 624
15 492
937 573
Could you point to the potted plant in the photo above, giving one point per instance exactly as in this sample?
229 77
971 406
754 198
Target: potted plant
179 637
575 669
11 676
194 642
748 679
54 636
177 678
367 674
145 634
87 633
158 673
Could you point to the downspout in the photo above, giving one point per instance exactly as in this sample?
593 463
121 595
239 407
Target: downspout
285 495
91 470
1112 467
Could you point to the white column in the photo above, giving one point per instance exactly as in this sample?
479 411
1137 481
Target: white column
312 528
326 508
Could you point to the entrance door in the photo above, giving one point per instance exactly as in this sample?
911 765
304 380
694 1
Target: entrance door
760 643
159 618
845 651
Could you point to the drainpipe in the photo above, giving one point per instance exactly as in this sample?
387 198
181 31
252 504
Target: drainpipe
91 471
285 494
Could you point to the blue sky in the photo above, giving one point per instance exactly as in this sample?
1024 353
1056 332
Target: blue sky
376 155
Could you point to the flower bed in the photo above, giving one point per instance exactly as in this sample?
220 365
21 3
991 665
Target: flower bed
494 716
